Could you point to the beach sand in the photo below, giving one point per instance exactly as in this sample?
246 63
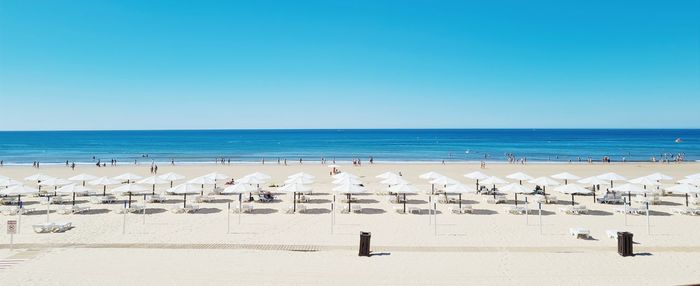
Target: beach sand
270 247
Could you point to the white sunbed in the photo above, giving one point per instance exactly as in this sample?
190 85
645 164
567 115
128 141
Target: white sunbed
8 201
399 210
302 199
46 227
628 210
357 209
157 198
497 200
192 208
515 210
62 226
204 199
687 211
103 199
72 210
247 208
574 210
579 232
16 210
463 210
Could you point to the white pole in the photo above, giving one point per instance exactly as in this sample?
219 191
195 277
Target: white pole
144 209
48 206
124 220
12 242
540 216
240 207
648 227
624 201
332 217
526 212
435 218
430 210
19 221
228 219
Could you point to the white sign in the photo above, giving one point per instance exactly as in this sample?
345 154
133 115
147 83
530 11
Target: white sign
11 227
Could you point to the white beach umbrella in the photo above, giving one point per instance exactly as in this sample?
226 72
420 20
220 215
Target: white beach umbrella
430 176
612 177
333 166
645 181
19 191
394 181
171 177
516 188
349 190
566 177
130 189
347 181
387 175
299 180
693 176
55 182
459 189
544 182
6 182
295 189
238 188
302 175
684 189
493 180
520 176
592 181
572 189
477 176
216 177
82 178
202 181
690 181
629 189
38 177
153 181
104 182
73 189
445 181
659 177
127 177
403 189
184 189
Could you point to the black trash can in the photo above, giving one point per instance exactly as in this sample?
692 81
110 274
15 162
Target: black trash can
364 243
624 243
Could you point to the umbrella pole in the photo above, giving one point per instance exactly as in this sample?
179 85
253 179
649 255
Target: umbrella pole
629 197
349 202
516 199
572 200
594 194
129 199
184 201
432 189
240 206
404 203
460 201
477 185
153 192
686 199
73 198
104 190
295 202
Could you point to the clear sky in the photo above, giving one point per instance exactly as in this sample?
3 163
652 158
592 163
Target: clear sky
348 64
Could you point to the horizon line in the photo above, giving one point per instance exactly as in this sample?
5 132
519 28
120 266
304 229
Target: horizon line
379 129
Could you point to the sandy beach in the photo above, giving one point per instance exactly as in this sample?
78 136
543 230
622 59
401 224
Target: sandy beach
270 246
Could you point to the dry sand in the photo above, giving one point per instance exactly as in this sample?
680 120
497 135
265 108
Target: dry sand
488 247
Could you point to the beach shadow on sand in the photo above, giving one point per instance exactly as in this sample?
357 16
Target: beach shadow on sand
372 211
667 203
658 213
426 212
366 201
317 211
599 213
318 201
263 211
379 254
208 211
155 210
483 212
96 211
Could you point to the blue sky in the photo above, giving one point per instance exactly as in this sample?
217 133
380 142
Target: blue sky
349 64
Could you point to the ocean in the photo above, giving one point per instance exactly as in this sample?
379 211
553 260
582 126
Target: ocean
384 145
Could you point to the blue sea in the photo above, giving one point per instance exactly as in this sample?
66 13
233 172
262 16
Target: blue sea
390 145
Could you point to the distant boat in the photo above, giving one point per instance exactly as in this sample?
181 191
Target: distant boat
678 140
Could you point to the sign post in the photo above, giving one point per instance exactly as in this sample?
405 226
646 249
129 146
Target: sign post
228 219
539 213
12 230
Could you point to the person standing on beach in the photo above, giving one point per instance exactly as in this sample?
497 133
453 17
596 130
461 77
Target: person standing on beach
300 161
285 161
155 170
72 166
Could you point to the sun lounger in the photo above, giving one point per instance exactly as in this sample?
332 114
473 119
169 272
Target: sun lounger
515 210
686 211
247 208
548 199
265 199
574 210
62 226
72 210
580 233
465 209
8 201
44 227
302 199
413 210
497 200
191 208
357 209
157 198
628 210
399 210
204 199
